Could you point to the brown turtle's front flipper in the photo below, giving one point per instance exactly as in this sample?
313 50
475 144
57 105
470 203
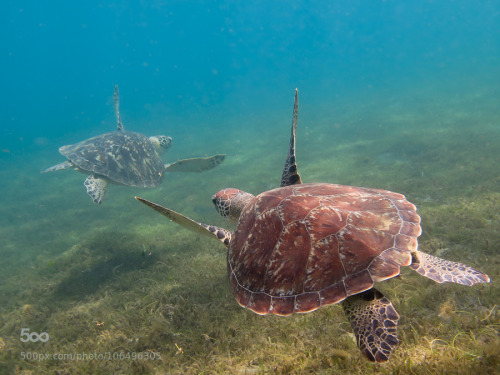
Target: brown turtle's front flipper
442 270
195 164
374 321
221 234
290 174
116 104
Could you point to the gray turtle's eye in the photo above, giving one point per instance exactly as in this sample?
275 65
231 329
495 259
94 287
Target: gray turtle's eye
165 141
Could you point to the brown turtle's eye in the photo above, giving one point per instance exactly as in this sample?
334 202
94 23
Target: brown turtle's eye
214 200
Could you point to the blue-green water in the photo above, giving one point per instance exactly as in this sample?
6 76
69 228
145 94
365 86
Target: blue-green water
395 95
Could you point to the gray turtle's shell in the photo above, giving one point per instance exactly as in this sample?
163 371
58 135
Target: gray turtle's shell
122 156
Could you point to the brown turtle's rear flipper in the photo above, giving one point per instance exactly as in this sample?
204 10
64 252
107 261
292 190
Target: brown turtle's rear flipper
442 270
290 174
374 321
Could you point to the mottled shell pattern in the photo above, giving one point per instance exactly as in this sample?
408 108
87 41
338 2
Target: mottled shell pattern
123 156
301 247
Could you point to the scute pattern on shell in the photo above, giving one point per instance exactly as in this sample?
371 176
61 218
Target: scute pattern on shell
301 247
125 157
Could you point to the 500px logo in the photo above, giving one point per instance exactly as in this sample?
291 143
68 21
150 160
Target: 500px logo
26 336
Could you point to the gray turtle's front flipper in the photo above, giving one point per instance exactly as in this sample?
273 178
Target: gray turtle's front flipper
116 103
221 234
96 188
195 164
64 165
442 270
374 321
290 174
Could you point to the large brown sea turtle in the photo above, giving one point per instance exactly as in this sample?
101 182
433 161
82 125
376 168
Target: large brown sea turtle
126 158
303 246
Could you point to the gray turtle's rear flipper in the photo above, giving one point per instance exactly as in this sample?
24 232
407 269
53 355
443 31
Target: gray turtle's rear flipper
290 174
374 321
64 165
442 270
195 164
221 234
96 188
116 104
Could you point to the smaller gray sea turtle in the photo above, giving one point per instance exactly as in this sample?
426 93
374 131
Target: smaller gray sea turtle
126 158
300 247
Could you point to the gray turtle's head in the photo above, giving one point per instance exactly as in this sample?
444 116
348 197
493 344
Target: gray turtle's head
231 202
161 142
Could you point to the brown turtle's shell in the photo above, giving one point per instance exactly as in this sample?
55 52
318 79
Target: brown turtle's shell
300 247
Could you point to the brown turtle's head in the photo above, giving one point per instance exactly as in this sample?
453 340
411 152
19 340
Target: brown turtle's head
231 202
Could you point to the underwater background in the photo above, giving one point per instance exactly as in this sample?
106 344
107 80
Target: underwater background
397 95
